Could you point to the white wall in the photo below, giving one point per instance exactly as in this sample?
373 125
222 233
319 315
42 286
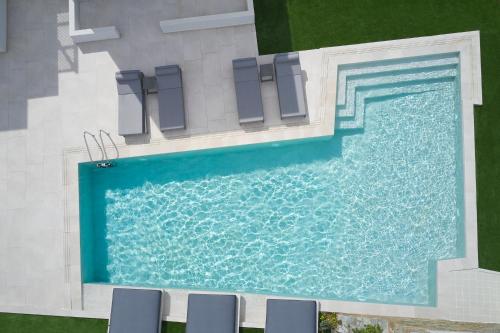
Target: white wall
210 21
87 35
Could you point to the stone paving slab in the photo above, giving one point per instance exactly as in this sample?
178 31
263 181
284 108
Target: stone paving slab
51 90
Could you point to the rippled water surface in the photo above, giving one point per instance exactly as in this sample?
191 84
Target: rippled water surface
363 215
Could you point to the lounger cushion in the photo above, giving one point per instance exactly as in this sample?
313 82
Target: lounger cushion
131 112
291 316
130 116
247 88
3 25
291 93
291 96
170 77
211 314
171 100
135 310
129 82
170 97
249 101
288 64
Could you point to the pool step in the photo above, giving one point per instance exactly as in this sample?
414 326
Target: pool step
363 82
353 85
390 66
363 96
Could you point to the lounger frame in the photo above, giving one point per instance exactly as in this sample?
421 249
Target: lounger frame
170 90
290 85
248 90
130 94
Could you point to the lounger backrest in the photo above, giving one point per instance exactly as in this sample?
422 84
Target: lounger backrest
212 313
131 115
290 86
168 77
170 97
245 69
247 88
135 310
291 316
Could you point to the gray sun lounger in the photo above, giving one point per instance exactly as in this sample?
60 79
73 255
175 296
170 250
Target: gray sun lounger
131 109
170 97
291 316
135 310
212 314
248 95
290 86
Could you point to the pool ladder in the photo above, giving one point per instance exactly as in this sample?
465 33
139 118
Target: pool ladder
104 162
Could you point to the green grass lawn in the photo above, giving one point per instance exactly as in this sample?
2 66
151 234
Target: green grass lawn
286 25
17 323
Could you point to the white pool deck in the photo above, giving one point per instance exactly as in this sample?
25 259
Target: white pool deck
51 90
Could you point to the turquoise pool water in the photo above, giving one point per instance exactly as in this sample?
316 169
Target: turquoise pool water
363 215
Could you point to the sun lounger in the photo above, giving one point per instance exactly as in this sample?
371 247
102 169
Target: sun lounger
131 110
248 95
170 97
135 310
290 87
291 316
212 314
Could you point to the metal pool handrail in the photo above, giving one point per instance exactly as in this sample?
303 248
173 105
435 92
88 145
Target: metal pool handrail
85 133
104 147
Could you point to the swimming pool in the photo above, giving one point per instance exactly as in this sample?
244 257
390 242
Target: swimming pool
363 215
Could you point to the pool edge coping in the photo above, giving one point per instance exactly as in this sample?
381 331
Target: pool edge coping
467 44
